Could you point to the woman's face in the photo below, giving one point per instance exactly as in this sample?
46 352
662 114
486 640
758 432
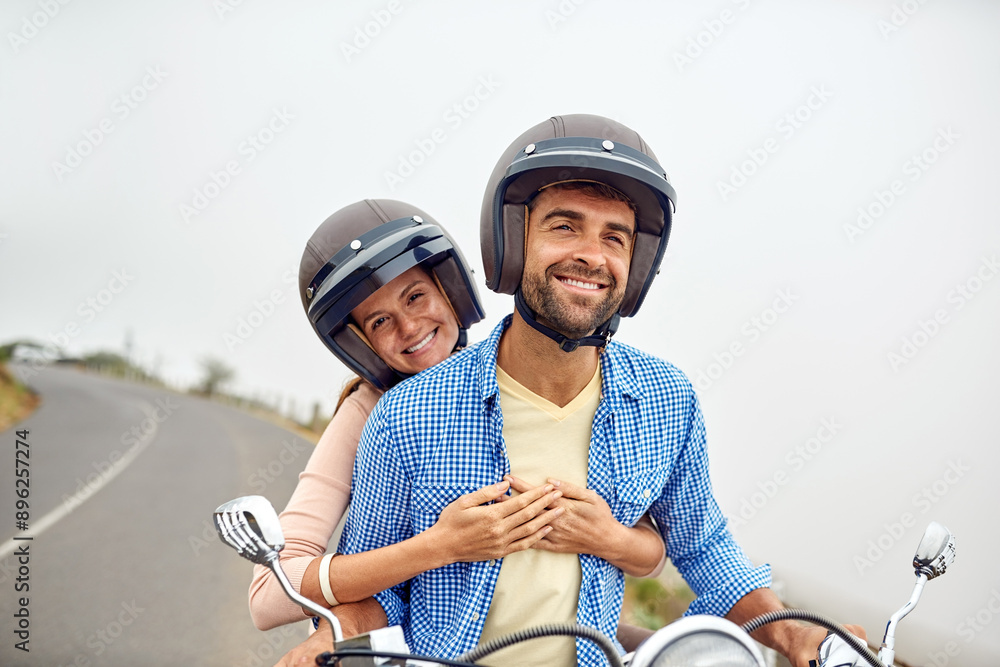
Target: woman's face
409 322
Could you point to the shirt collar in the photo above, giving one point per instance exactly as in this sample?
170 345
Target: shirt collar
617 382
487 353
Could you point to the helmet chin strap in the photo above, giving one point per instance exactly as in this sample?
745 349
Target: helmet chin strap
599 338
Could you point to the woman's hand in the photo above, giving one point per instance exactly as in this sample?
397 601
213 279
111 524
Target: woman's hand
586 526
470 530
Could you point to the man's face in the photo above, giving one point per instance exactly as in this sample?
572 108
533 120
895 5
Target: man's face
577 257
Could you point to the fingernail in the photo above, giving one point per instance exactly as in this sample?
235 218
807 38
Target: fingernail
548 487
557 494
554 482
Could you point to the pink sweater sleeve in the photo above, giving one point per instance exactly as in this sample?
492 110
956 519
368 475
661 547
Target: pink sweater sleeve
315 509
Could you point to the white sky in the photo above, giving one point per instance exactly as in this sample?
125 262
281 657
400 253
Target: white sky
881 94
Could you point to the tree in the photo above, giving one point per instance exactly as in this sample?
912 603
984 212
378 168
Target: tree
216 374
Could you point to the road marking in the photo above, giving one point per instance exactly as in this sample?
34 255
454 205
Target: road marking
67 506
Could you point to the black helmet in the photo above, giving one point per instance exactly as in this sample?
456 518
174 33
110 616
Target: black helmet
578 147
359 249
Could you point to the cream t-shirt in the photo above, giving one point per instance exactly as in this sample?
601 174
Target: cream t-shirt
538 587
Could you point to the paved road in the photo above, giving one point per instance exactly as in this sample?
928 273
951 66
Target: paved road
129 570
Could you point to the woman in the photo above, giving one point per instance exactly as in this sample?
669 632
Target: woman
390 294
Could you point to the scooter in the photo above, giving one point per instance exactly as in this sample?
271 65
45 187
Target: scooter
250 525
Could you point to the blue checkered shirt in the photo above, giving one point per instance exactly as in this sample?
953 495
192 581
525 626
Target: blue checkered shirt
438 435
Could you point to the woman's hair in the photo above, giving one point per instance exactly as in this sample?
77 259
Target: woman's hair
349 388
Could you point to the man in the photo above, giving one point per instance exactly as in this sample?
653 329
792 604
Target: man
575 224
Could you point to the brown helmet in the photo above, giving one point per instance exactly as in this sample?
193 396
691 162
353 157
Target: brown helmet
578 147
359 249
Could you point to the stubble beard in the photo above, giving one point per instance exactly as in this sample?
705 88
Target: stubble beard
569 316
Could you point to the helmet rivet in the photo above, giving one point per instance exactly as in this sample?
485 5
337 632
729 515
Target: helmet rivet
529 149
417 219
608 145
355 245
309 292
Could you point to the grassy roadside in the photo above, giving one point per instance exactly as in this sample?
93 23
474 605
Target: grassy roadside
16 400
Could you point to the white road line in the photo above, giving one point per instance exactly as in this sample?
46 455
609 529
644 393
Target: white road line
71 503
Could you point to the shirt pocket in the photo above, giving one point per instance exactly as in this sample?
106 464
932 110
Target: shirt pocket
430 500
635 493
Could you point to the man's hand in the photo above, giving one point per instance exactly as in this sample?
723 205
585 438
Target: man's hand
306 652
355 618
806 646
798 643
586 524
469 530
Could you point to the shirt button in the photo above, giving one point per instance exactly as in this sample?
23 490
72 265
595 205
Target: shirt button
492 562
646 493
475 616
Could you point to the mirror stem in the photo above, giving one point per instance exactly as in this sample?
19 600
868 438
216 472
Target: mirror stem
888 653
322 612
